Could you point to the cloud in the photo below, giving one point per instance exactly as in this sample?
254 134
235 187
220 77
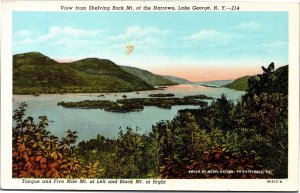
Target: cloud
275 45
75 32
143 39
249 25
55 34
211 36
137 32
23 33
62 38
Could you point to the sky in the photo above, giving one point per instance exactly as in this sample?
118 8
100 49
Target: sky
198 46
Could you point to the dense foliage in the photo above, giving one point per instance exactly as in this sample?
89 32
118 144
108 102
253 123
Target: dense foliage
37 153
243 139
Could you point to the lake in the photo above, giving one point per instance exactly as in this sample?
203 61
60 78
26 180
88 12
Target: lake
90 122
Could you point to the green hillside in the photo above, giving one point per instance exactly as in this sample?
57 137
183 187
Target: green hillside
177 80
109 72
242 83
150 78
239 84
35 73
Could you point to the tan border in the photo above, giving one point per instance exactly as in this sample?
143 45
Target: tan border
290 184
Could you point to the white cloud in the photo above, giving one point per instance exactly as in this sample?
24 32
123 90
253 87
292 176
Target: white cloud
274 48
75 32
250 25
23 33
56 34
144 39
211 36
137 32
275 45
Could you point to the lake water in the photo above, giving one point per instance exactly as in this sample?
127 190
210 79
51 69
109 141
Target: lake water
90 122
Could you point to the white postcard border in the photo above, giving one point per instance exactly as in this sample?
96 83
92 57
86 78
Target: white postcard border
183 184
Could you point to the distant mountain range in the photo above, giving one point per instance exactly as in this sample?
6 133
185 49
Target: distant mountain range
177 79
213 83
35 73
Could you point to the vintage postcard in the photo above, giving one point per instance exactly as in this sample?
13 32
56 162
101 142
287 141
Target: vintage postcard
150 95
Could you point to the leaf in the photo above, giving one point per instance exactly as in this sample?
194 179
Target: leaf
59 155
34 145
24 175
55 156
63 166
218 156
43 160
38 158
21 147
28 165
53 165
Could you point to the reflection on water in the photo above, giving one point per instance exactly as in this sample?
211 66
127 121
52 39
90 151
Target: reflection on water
90 122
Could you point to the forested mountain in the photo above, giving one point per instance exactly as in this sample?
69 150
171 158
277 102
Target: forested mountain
150 78
35 73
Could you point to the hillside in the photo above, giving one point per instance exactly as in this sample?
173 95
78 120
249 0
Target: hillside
35 73
177 79
150 78
242 83
110 73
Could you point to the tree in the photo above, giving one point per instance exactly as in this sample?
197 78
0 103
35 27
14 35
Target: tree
221 114
265 114
37 153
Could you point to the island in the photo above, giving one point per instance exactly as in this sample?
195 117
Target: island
161 95
137 104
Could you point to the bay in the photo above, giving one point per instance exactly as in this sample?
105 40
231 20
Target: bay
91 122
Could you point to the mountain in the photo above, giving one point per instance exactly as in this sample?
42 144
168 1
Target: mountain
109 72
242 83
150 78
213 83
35 73
177 79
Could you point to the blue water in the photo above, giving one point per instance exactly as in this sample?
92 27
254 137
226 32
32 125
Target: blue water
90 122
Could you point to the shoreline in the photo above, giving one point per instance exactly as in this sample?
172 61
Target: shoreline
156 88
